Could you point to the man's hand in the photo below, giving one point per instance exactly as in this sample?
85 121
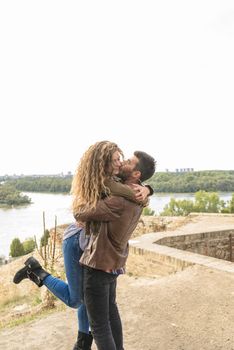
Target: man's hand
141 192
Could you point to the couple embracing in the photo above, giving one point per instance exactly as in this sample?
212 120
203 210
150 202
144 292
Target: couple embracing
108 198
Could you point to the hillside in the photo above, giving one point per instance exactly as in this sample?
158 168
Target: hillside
190 310
25 299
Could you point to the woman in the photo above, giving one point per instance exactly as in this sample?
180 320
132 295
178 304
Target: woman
101 162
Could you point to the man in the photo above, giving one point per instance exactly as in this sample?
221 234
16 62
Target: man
113 221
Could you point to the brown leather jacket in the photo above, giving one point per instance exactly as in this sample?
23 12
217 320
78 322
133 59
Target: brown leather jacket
108 249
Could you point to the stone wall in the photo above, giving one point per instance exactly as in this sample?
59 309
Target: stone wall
143 262
214 244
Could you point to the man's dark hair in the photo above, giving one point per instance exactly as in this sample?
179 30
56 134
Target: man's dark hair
146 165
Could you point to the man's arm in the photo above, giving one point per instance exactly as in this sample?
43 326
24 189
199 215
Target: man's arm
117 188
135 193
108 209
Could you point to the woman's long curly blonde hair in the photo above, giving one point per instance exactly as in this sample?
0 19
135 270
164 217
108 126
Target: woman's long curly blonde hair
88 181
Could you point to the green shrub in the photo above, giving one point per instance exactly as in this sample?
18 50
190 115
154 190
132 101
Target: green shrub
44 238
148 211
16 248
29 245
205 202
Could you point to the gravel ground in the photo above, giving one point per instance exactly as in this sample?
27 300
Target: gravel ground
190 310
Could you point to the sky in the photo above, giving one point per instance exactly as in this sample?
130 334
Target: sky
156 76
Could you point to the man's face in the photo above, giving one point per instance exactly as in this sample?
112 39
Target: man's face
128 167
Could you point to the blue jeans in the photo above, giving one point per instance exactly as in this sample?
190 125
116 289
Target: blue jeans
71 293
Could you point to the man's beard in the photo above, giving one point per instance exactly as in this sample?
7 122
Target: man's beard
123 175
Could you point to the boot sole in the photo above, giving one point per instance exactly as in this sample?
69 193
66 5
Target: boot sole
31 263
20 275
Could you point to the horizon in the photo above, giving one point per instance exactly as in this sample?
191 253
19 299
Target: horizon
69 173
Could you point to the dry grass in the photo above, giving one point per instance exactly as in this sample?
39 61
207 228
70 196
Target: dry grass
32 313
11 300
23 302
18 303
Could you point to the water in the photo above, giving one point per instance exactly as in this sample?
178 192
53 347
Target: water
27 221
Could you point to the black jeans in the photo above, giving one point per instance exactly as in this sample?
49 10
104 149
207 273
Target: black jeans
99 297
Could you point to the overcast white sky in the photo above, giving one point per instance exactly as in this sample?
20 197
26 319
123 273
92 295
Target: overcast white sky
154 75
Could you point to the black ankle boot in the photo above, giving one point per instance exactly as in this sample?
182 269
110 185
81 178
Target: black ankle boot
33 270
84 341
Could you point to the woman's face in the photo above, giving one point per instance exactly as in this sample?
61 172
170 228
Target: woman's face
113 168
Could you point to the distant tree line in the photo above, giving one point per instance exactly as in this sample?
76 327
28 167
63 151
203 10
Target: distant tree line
42 184
210 181
9 195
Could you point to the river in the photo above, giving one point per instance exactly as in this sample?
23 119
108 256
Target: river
26 221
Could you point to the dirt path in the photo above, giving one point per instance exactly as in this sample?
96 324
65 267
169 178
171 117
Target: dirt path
191 310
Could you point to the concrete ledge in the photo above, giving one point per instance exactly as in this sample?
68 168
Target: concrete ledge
174 259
